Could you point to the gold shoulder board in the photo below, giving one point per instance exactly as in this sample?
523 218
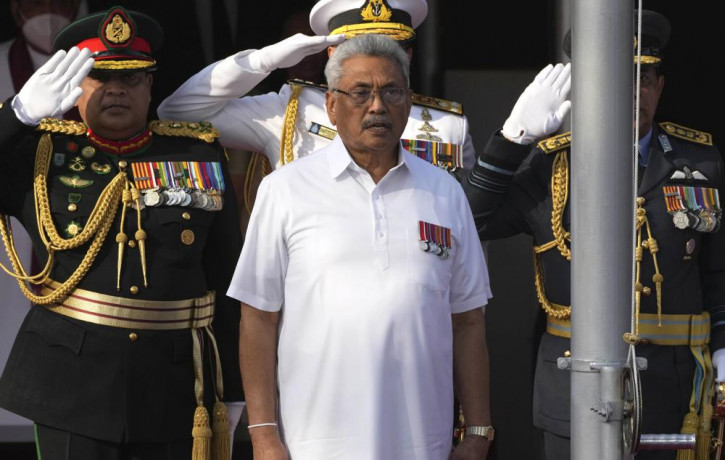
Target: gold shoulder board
439 104
55 125
298 82
555 143
688 134
202 130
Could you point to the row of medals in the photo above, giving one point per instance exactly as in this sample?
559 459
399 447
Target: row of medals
704 221
434 248
209 200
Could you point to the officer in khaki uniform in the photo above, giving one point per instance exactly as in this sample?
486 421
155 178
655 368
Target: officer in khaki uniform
294 123
681 268
131 346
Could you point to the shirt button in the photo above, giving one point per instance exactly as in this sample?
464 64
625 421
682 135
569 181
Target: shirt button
186 215
132 337
133 289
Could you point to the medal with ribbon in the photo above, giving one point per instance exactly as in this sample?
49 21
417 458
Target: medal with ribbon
693 207
435 239
441 154
180 183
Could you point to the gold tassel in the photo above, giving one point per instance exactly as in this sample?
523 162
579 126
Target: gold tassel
704 436
689 426
140 234
221 445
201 433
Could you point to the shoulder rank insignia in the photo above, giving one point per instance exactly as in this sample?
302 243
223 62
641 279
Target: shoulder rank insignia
298 82
440 104
70 127
688 134
202 130
555 143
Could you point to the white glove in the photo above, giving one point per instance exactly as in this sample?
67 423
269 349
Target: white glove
718 360
54 88
290 51
542 106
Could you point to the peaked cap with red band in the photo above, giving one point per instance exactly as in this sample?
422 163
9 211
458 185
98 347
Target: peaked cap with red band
118 39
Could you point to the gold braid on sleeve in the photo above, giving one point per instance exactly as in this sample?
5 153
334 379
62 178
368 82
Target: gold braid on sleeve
95 230
288 126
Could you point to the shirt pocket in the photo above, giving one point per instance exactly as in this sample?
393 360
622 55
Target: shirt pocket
425 267
182 232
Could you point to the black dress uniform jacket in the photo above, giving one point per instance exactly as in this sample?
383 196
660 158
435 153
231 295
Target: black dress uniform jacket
109 383
509 196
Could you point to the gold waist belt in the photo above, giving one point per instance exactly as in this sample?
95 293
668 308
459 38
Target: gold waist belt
691 330
133 313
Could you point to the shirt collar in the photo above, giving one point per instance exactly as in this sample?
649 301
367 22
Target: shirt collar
340 160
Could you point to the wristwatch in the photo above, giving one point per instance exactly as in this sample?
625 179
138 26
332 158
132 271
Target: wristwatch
485 431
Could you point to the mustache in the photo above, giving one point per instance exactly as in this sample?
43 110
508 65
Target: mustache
377 120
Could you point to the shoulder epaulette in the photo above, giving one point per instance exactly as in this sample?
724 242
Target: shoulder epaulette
440 104
202 130
688 134
57 126
298 82
555 143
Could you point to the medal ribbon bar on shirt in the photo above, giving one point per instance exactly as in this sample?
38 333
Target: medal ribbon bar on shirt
178 174
449 156
432 233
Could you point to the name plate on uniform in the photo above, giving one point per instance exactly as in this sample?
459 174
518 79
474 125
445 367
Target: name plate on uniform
180 183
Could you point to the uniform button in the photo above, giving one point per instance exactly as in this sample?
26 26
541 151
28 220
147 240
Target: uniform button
72 207
131 243
122 164
132 337
186 215
187 237
646 290
133 289
567 354
640 200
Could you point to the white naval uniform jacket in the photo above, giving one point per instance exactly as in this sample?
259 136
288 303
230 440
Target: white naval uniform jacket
255 123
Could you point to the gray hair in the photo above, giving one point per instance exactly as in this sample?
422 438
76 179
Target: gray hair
366 45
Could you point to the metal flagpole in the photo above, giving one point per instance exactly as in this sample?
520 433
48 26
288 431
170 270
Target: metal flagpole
602 222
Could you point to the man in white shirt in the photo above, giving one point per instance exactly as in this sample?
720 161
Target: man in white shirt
362 284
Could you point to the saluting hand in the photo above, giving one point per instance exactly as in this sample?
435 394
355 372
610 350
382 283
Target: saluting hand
54 88
542 106
291 50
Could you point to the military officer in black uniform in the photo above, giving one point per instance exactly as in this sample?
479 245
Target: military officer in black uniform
681 245
131 346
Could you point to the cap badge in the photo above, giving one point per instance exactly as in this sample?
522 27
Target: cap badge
376 11
118 30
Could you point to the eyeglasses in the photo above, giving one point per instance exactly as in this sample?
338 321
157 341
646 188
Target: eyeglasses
360 96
